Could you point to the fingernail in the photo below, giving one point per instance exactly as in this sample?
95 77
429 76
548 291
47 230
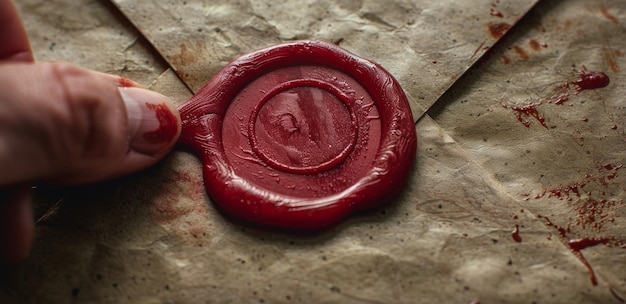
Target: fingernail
153 120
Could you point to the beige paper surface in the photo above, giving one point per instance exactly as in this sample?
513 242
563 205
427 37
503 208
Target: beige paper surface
155 237
425 44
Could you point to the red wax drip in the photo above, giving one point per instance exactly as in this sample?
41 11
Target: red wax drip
591 80
574 249
168 125
515 234
580 244
577 245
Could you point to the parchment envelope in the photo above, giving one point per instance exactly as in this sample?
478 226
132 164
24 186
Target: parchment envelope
518 179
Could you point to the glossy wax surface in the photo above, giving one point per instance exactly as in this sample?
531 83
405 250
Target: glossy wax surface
299 135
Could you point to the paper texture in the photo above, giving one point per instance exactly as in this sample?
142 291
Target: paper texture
426 45
155 237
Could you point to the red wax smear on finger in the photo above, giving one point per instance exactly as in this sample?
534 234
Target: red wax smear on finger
300 135
127 83
591 80
168 125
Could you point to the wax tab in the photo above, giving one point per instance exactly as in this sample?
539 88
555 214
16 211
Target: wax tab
299 135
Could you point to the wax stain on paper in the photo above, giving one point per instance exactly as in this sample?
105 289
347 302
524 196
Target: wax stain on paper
587 80
592 210
566 115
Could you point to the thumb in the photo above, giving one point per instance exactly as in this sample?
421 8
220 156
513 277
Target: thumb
67 125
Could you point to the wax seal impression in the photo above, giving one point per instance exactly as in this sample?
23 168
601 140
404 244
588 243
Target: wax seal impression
300 135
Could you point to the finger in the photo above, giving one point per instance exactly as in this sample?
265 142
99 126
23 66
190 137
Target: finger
68 125
14 44
16 224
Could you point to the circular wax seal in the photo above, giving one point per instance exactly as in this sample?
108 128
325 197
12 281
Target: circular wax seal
301 134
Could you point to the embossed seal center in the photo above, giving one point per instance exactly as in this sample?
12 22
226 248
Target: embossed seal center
303 126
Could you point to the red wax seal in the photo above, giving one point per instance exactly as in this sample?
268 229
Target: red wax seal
301 134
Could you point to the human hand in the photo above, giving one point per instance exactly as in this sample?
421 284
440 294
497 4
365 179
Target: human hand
66 125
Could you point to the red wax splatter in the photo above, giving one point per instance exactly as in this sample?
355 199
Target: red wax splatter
528 110
301 134
520 52
609 16
480 46
592 210
497 30
590 80
495 13
587 81
577 252
560 95
168 125
515 234
580 244
609 60
534 45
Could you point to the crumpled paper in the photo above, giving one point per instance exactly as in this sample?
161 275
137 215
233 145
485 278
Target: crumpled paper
480 172
426 45
562 162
